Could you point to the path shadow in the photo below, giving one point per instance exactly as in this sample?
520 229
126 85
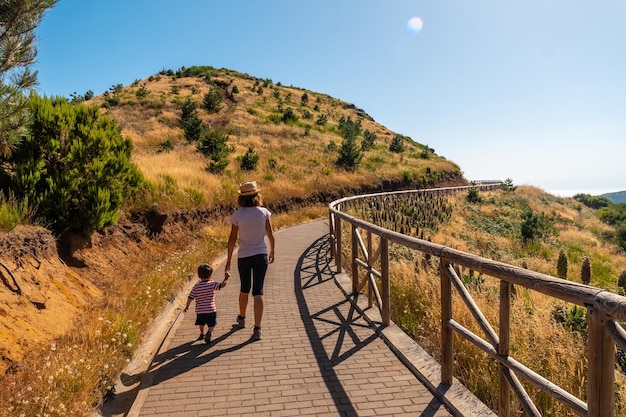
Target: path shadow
314 269
166 365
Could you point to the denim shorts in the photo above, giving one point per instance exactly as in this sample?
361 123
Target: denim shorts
252 271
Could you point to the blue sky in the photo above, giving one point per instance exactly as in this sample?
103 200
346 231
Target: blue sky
530 90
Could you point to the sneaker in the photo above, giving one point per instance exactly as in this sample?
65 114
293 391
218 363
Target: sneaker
241 322
257 334
201 336
207 338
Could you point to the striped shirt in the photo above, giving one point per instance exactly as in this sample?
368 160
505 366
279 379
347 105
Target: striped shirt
204 294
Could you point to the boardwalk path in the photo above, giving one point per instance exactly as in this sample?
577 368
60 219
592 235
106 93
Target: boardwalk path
318 355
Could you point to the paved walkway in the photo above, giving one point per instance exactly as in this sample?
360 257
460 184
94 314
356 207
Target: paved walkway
318 356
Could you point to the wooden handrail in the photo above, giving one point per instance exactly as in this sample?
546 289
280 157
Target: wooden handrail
603 307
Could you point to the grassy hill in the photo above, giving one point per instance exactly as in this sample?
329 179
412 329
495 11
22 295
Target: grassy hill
297 154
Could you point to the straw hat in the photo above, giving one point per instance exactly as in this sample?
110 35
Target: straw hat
248 188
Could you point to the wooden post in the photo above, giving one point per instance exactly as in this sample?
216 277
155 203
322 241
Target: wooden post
331 233
447 361
355 255
503 347
386 282
338 232
601 355
370 278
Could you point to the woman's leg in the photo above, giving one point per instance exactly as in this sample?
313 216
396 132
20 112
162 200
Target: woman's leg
259 269
243 303
259 305
245 277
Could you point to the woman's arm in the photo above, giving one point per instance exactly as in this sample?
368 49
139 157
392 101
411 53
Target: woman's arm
232 241
269 231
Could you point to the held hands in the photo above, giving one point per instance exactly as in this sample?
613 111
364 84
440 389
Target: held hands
226 276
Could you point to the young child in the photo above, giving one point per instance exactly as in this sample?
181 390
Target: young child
204 294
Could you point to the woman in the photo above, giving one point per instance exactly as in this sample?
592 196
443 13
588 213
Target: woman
251 222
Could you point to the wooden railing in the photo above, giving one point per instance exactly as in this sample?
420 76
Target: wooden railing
603 308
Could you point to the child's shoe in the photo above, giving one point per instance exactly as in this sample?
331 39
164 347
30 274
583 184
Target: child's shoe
241 322
207 338
201 336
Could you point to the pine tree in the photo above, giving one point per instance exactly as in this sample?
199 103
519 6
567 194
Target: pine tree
397 143
190 121
18 21
350 154
212 101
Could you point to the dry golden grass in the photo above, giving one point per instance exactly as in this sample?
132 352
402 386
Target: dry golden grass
537 339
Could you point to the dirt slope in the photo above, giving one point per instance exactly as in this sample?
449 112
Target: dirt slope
46 283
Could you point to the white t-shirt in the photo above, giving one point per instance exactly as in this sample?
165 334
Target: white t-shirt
251 222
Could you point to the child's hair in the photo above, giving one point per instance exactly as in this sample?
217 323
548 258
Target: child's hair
205 271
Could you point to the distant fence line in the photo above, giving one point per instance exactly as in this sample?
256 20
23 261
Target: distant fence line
603 307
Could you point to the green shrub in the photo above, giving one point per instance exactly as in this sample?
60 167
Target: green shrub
535 226
473 195
507 185
166 146
13 212
350 154
74 167
217 166
369 138
349 129
212 101
289 116
214 144
397 143
142 92
573 318
249 160
190 121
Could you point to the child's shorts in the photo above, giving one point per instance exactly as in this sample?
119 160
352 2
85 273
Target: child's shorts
210 319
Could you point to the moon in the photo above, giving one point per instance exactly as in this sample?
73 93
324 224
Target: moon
415 24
